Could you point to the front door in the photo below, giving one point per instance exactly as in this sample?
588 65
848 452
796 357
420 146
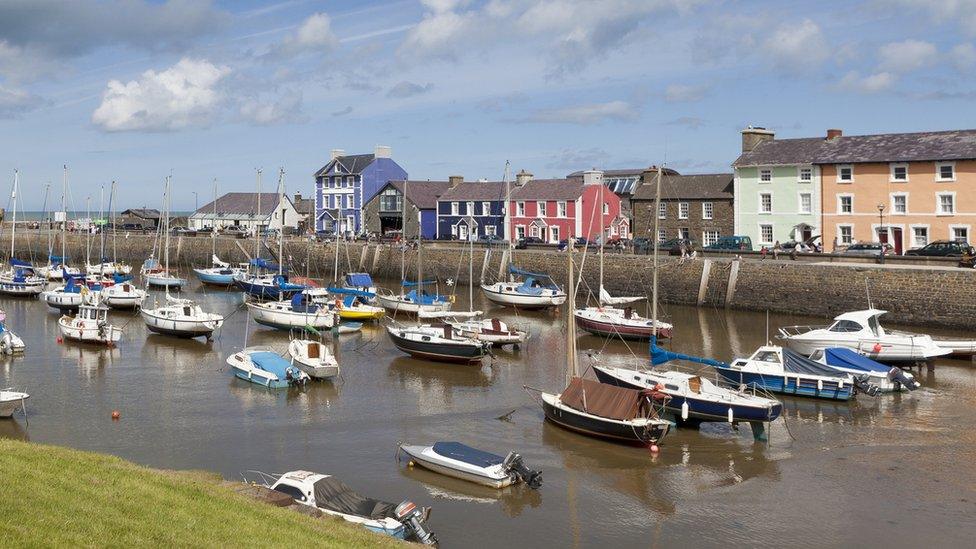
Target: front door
542 234
807 234
896 239
555 234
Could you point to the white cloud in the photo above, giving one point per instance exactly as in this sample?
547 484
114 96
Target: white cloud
438 35
964 57
405 89
682 93
313 35
797 46
588 114
270 111
872 83
961 12
906 56
690 122
182 96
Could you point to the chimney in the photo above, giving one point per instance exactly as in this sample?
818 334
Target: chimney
298 197
336 153
753 136
455 180
649 175
834 134
382 151
592 177
522 178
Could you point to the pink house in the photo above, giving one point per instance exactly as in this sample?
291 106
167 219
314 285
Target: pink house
557 209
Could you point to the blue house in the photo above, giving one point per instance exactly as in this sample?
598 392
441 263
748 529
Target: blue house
471 210
348 182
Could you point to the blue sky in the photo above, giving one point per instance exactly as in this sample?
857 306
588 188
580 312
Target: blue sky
134 90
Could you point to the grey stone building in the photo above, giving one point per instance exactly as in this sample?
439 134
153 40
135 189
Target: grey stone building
696 207
383 213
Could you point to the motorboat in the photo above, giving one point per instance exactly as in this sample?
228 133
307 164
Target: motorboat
263 366
21 280
67 297
10 343
781 370
693 398
861 331
957 347
489 330
11 401
220 273
466 463
326 493
438 342
609 321
414 298
180 318
888 379
298 312
89 326
313 358
535 291
361 282
123 296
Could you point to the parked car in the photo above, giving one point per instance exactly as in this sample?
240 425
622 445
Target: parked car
743 243
182 231
491 238
523 243
807 245
642 245
205 230
673 245
868 249
942 248
234 231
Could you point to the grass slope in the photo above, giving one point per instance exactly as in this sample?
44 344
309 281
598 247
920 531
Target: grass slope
53 496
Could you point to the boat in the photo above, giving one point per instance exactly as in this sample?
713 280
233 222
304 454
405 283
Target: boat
180 318
861 331
124 295
414 299
326 493
957 347
346 327
781 370
220 273
888 379
67 297
89 326
313 358
21 280
354 304
466 463
57 269
57 265
535 291
297 312
608 321
11 401
437 342
10 343
362 282
154 275
262 365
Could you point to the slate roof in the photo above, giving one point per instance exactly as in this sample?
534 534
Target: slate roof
891 147
144 213
549 189
490 190
303 206
423 194
711 186
241 204
350 164
623 173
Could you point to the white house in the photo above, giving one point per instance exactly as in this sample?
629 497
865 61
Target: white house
242 210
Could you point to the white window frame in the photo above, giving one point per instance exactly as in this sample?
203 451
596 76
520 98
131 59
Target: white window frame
708 210
350 203
840 236
952 231
841 168
760 209
490 230
662 210
554 234
520 209
892 209
684 209
840 203
684 233
772 233
351 181
799 174
519 231
938 171
763 171
486 208
938 203
455 208
662 235
891 172
561 208
707 237
469 208
799 202
540 208
928 235
606 208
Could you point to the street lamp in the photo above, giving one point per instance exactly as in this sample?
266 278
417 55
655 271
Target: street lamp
881 229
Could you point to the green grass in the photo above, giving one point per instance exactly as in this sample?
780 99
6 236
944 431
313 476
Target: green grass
53 496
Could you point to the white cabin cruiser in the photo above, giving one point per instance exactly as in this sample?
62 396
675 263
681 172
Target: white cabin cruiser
11 401
862 332
298 312
123 296
466 463
535 291
313 358
181 318
90 326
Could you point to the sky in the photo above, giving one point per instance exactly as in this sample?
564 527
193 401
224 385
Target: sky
134 90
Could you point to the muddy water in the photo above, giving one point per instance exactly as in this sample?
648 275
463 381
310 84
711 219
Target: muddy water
896 470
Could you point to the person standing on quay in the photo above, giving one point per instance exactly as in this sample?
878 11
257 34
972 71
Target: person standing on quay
776 250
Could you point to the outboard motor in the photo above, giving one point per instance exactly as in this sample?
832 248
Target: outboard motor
865 386
6 343
898 376
413 518
514 466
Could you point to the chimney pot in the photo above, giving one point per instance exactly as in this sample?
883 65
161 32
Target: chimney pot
834 133
336 153
522 178
752 137
382 151
455 180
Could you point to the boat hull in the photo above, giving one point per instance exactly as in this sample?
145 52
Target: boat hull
397 305
625 331
878 350
459 354
287 320
122 300
179 327
63 301
22 289
416 454
615 431
213 278
496 294
790 384
86 333
165 281
10 405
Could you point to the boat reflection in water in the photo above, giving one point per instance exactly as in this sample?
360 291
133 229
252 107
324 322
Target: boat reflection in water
513 500
180 354
91 360
13 430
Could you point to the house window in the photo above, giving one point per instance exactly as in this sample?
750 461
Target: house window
486 208
520 231
920 236
541 208
845 204
845 173
606 208
766 234
709 237
533 230
662 235
684 233
351 181
960 234
454 230
947 203
455 208
682 210
707 210
349 198
899 172
469 208
554 234
662 210
765 203
846 233
390 201
806 203
561 209
899 204
805 175
520 209
945 171
765 175
489 230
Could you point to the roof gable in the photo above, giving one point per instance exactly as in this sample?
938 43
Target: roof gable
351 164
481 190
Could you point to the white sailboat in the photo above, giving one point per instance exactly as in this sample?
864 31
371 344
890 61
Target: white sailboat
20 279
220 273
10 343
152 272
57 267
314 358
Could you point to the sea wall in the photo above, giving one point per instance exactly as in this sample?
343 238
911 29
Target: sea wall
921 295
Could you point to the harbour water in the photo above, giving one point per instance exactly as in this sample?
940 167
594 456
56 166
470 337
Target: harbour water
890 471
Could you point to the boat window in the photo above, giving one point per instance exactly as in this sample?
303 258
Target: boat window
295 493
767 356
425 338
817 355
670 387
874 325
186 311
846 326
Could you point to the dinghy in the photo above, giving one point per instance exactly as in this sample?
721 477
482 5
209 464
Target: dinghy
313 358
888 379
466 463
11 401
262 365
90 326
348 327
405 521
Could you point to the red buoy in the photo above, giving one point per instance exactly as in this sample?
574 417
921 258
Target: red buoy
116 414
654 448
877 347
60 340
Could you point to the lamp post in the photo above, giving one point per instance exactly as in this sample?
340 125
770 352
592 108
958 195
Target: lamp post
881 229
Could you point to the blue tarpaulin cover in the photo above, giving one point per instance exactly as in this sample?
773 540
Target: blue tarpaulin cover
55 259
411 284
265 264
795 363
351 292
467 454
846 358
519 272
271 362
70 287
661 356
19 262
360 280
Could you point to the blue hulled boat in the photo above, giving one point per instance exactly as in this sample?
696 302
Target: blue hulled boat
270 285
781 370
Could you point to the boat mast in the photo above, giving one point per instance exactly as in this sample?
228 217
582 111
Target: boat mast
257 224
213 223
657 208
603 237
403 233
115 231
471 278
166 201
281 227
87 232
506 217
335 267
64 222
570 315
13 196
420 259
50 244
101 246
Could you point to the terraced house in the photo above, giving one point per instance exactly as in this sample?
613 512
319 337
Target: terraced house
471 210
347 183
694 207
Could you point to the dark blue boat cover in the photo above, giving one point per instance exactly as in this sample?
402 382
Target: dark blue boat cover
412 284
796 363
467 454
19 262
360 280
350 292
846 358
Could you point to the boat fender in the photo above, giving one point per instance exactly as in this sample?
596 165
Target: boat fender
819 385
730 414
840 384
877 348
684 410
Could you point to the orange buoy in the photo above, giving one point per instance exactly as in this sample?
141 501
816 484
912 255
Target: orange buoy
116 414
60 339
877 347
654 448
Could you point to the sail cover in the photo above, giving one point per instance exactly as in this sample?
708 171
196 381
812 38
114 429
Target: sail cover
335 495
467 454
411 284
360 280
271 362
607 299
598 399
846 358
796 363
